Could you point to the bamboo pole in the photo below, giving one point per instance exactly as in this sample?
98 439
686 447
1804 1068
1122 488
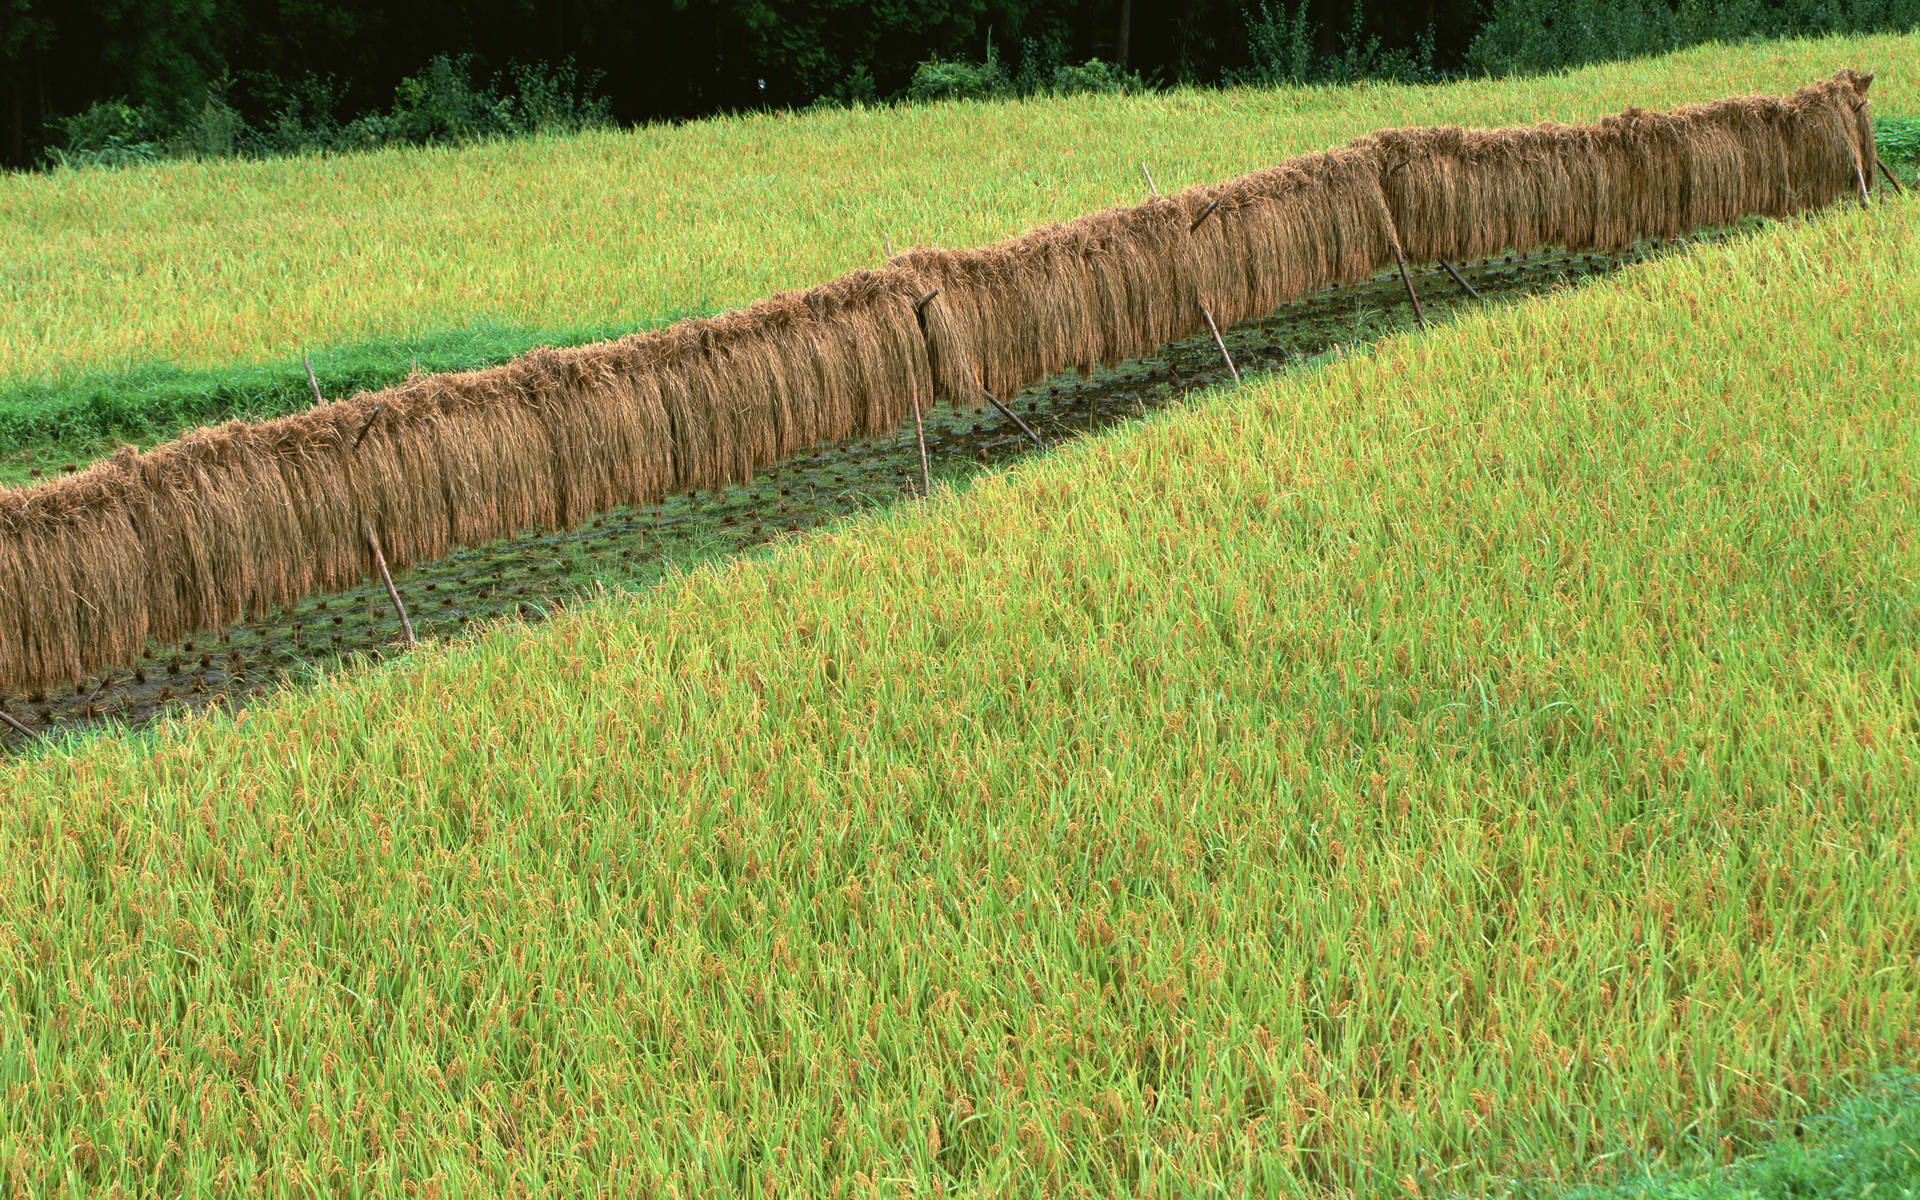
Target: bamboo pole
365 429
386 577
313 383
1010 415
1220 342
1407 279
1211 324
1204 214
373 543
1457 279
1860 178
920 435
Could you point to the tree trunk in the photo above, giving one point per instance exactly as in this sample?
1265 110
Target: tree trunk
1124 34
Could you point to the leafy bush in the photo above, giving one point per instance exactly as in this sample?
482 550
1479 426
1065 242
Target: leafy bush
214 130
1095 76
1280 47
1280 44
109 134
1898 139
1044 70
941 79
1550 35
445 103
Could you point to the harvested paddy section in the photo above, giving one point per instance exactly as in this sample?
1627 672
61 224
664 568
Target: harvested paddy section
529 576
1486 757
226 523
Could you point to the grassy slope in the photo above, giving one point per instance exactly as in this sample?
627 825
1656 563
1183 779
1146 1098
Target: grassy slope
211 264
1468 760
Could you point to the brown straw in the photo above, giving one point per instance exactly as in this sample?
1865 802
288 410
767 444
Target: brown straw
243 518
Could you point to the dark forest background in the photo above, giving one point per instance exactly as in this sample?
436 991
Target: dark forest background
104 81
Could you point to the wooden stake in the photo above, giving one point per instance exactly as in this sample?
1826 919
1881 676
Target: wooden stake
371 418
1217 340
920 309
313 383
386 577
887 241
1463 283
16 725
1897 185
1860 178
920 435
1220 342
1010 415
1408 280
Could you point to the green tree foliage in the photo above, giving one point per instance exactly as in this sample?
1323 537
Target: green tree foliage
1544 35
253 76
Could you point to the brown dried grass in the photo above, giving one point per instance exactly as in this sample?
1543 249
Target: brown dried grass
243 518
1462 193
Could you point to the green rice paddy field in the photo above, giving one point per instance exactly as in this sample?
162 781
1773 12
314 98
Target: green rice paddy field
1484 762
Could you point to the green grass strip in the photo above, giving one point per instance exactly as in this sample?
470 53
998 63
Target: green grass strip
47 425
1867 1147
1489 757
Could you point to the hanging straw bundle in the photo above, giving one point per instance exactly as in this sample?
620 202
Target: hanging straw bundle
246 517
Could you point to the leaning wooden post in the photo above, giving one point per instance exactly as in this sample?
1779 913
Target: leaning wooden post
1010 415
17 726
920 435
368 427
1211 324
1220 342
1456 278
919 430
380 560
1882 163
373 543
920 315
313 383
1408 280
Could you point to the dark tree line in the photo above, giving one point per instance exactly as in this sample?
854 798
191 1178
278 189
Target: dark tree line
667 59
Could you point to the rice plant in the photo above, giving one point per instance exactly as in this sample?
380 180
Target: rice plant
1487 758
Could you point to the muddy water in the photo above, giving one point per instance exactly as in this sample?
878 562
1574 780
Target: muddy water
634 547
